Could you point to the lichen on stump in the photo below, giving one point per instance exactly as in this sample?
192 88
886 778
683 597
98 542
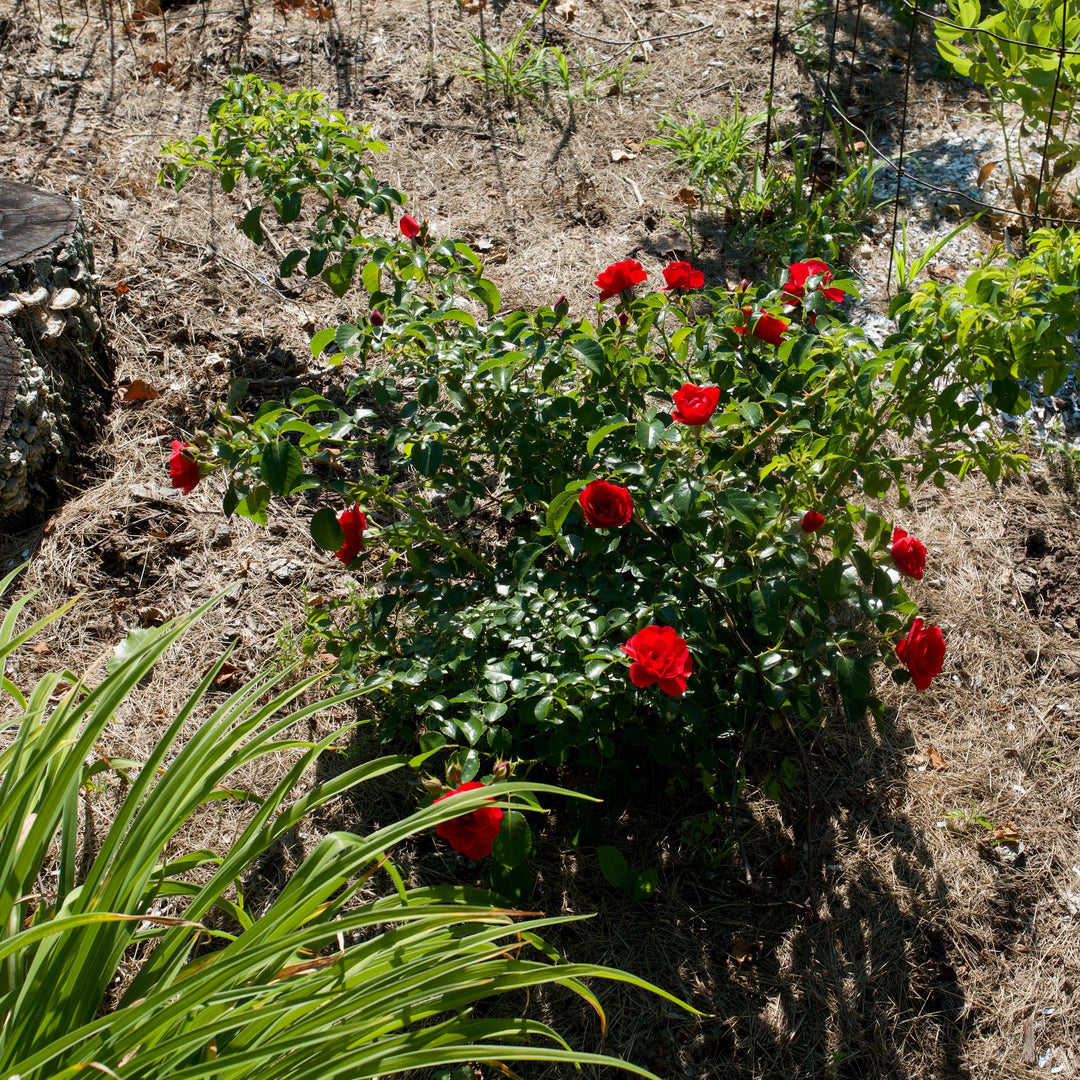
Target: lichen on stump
56 366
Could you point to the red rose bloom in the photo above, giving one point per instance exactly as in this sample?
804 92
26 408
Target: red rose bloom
619 276
922 652
473 833
660 656
409 225
606 506
768 327
353 523
681 275
694 405
811 521
799 273
908 553
183 470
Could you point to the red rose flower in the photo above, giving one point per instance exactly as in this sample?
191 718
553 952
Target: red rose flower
620 276
799 273
409 225
473 833
681 275
606 506
922 652
353 523
660 656
908 553
694 405
183 470
811 521
768 327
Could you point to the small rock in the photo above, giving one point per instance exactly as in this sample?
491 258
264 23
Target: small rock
222 536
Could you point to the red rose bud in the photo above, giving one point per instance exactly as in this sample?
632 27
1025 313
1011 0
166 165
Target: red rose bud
922 652
377 317
183 470
620 277
623 319
799 273
472 834
660 656
503 770
606 506
562 306
681 275
694 405
353 523
409 226
811 521
908 554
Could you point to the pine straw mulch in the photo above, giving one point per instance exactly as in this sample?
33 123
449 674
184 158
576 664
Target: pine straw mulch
911 910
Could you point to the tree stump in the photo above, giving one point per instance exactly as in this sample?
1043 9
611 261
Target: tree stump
56 367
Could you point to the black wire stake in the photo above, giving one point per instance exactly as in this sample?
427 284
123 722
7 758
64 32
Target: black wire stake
1050 119
816 156
772 84
903 128
854 45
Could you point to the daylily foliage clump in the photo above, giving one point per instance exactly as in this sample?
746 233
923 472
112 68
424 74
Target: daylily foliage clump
554 496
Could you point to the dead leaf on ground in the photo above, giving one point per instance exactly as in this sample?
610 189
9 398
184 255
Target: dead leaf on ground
472 7
784 865
684 196
137 390
935 758
632 145
619 154
41 649
567 9
742 952
1006 834
942 272
985 172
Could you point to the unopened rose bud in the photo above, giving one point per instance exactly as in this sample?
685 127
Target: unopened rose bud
433 786
744 285
623 319
453 774
376 316
562 306
502 771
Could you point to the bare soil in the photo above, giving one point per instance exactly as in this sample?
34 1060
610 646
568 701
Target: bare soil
911 910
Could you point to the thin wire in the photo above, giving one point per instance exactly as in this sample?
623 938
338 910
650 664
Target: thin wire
772 84
1053 101
903 131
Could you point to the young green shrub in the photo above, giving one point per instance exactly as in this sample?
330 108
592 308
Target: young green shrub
1024 52
325 983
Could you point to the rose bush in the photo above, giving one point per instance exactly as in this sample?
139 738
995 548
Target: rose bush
499 461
